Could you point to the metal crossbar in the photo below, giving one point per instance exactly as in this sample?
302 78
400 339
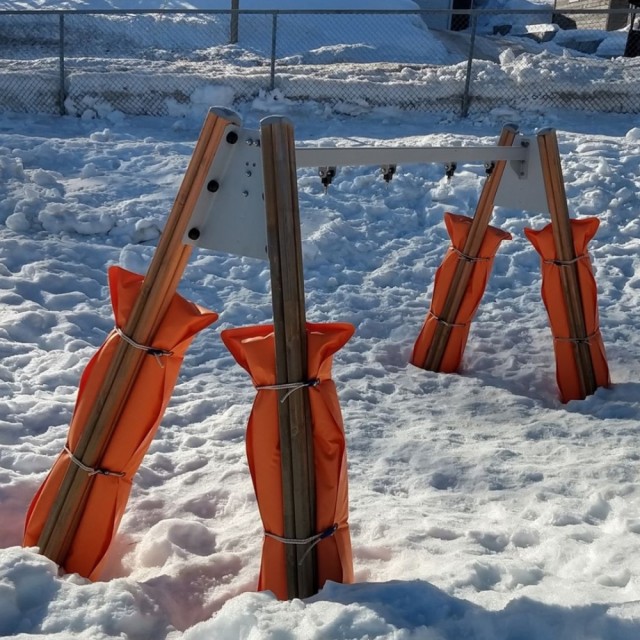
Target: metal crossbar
362 156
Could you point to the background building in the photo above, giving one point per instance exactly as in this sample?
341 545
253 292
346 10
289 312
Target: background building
446 21
609 22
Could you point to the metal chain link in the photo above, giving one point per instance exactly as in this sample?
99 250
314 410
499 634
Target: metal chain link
167 62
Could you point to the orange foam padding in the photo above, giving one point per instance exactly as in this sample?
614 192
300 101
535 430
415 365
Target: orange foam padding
458 228
133 432
254 349
553 296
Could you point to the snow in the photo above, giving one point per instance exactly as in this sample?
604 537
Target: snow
480 506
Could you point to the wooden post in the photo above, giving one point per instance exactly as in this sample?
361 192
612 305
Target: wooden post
566 256
159 286
287 289
472 245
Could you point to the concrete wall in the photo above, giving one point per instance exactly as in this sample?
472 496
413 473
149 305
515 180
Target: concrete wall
435 21
443 21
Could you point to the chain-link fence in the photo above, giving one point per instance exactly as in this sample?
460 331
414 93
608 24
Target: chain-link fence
170 62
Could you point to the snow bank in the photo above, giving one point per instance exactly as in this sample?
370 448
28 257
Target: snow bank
408 611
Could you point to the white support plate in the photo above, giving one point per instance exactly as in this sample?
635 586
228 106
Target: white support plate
522 185
233 219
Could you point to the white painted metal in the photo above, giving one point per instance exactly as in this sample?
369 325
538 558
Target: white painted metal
232 219
379 156
523 187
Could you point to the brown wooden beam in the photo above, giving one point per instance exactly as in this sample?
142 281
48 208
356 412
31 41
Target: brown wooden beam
566 255
159 286
287 289
464 268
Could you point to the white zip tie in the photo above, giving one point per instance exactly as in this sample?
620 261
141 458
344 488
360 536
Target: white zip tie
91 471
453 325
566 263
468 258
292 386
585 340
152 351
312 540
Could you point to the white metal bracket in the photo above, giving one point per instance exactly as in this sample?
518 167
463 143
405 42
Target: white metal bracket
523 187
229 214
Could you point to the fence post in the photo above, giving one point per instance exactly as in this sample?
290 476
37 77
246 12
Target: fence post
632 46
61 89
466 98
233 29
274 44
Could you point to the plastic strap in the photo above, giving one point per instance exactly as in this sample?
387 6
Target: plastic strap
152 351
566 263
292 386
453 325
586 340
91 471
468 258
311 540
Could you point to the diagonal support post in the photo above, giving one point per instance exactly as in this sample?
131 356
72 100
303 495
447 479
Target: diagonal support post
158 288
464 268
566 257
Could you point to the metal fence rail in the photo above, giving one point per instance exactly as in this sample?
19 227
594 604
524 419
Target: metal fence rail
167 62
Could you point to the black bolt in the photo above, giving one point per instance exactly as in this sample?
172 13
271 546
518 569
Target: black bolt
194 233
232 137
213 186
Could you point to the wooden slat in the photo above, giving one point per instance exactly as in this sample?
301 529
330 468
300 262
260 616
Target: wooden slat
464 268
287 288
565 252
158 288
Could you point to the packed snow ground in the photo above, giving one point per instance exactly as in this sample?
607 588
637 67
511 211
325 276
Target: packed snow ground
481 506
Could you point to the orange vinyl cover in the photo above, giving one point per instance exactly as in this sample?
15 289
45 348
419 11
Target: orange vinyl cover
133 432
458 228
254 349
552 294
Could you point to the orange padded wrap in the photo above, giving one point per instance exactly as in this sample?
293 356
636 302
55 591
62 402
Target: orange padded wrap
553 296
133 432
254 349
458 228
